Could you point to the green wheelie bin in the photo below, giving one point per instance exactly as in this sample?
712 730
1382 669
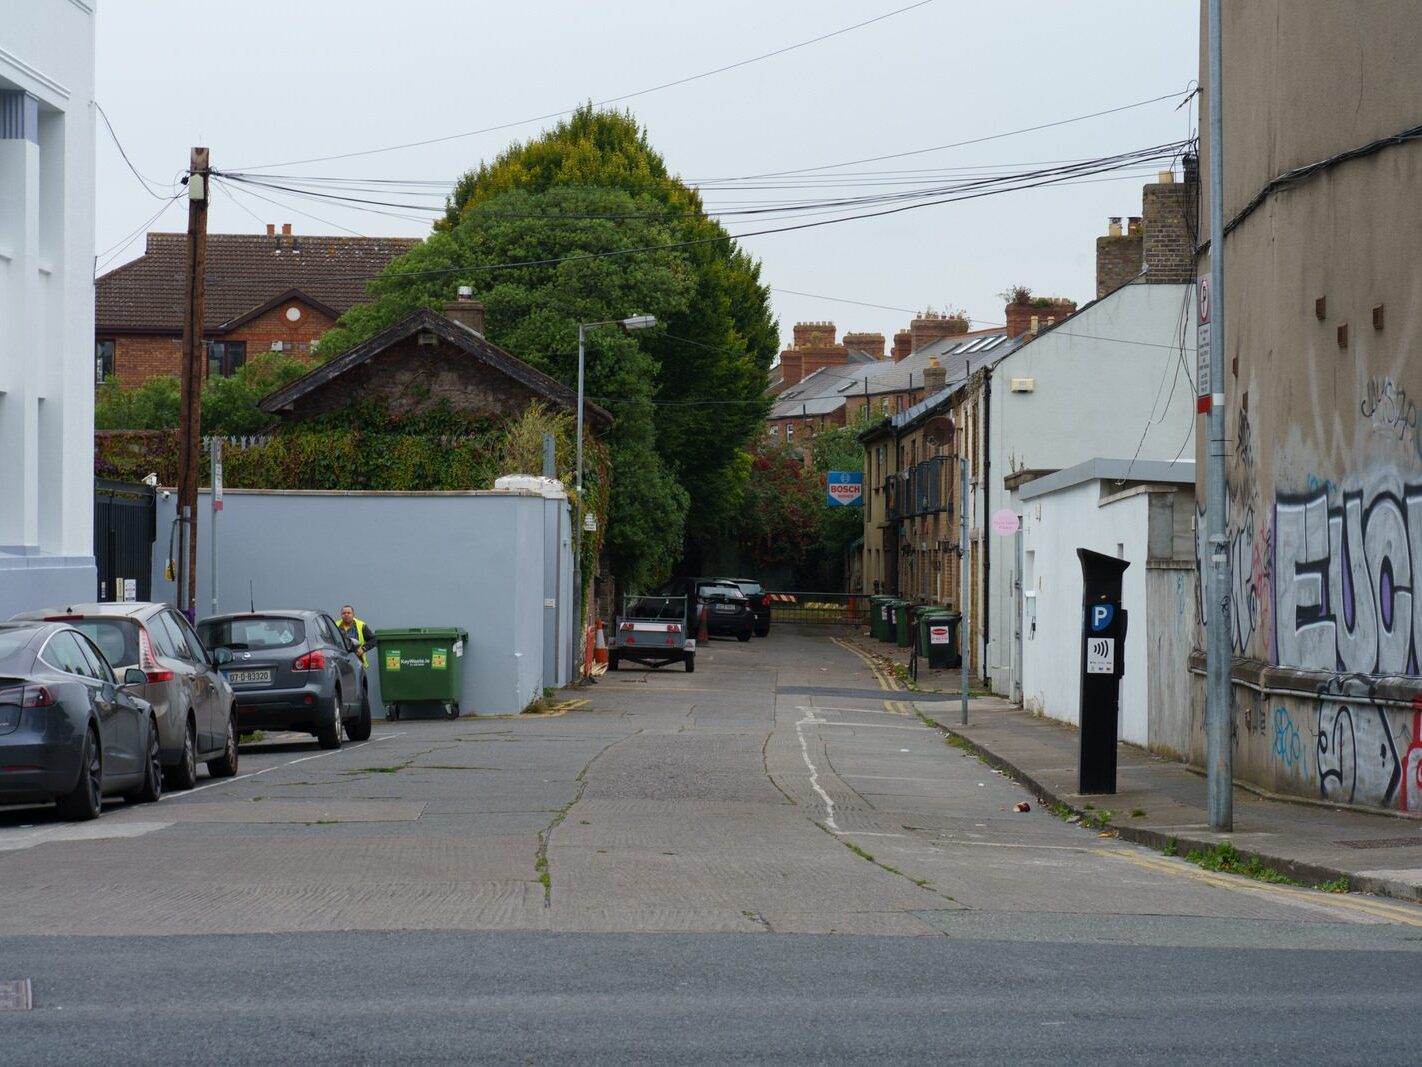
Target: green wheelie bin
937 631
887 621
876 615
421 668
903 624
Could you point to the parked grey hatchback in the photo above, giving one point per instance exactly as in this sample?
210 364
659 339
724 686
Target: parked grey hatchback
194 705
292 670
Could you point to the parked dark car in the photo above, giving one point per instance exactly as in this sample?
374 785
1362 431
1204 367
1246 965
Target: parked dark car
194 705
727 609
759 602
292 670
69 732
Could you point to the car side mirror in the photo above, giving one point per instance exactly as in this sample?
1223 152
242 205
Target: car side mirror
134 676
222 656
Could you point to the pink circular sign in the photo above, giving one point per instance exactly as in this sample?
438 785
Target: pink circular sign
1006 521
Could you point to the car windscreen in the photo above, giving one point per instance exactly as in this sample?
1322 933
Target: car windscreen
730 592
117 639
750 588
253 632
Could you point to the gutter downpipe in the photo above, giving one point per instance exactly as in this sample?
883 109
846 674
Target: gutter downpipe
986 540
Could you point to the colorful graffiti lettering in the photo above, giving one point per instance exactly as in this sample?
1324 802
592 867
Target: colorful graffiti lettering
1251 569
1343 572
1356 755
1288 745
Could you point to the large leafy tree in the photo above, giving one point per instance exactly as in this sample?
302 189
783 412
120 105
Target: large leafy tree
586 224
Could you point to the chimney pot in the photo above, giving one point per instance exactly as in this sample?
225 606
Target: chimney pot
1113 229
271 229
1033 328
286 229
1166 177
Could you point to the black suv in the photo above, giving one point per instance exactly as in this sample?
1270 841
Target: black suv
727 609
759 602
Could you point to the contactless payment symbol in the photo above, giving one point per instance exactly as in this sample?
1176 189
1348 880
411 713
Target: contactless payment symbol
1101 616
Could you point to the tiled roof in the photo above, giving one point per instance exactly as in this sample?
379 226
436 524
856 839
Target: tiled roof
244 271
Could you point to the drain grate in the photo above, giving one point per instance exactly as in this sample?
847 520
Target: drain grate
15 995
1383 842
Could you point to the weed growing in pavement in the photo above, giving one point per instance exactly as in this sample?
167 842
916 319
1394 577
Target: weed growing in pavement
1226 859
251 737
377 770
1088 807
858 851
1172 847
1337 885
1060 810
1138 813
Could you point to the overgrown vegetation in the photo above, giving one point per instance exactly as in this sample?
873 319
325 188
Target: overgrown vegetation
1224 857
229 405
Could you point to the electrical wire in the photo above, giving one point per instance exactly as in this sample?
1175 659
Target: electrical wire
147 186
599 103
111 253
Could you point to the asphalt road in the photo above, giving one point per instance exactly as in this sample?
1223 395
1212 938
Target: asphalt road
769 859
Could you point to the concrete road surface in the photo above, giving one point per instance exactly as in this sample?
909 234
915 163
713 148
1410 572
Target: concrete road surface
770 859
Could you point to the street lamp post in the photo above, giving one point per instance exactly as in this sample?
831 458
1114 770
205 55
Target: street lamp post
636 322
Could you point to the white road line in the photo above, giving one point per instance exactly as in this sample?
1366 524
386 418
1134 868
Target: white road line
857 711
814 772
277 767
871 725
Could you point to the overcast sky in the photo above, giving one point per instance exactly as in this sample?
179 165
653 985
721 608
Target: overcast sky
264 82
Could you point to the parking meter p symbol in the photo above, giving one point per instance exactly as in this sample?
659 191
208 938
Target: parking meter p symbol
1101 616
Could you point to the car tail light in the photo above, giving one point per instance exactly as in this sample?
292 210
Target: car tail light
312 661
674 628
147 662
765 601
36 696
63 618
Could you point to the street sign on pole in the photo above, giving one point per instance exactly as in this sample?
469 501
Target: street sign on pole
1202 345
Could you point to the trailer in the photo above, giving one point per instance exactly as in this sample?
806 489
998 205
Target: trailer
652 631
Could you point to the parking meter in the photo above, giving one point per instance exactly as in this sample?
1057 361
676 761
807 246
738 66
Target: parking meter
1103 663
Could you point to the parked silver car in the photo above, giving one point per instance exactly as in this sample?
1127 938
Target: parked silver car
195 707
292 670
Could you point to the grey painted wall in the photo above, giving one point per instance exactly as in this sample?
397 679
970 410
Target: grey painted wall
474 560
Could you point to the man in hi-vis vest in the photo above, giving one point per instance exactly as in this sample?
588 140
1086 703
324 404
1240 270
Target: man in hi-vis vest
362 634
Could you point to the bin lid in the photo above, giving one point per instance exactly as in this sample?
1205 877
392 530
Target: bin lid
431 633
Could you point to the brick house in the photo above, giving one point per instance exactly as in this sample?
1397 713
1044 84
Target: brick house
424 360
278 291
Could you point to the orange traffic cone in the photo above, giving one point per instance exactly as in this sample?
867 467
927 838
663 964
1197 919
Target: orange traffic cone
701 636
600 645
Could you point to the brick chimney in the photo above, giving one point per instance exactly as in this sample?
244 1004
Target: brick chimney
814 334
935 378
1118 258
466 310
1170 226
286 229
271 229
903 344
792 368
1020 314
872 343
931 327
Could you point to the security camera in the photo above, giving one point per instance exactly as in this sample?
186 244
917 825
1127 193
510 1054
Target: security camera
150 479
166 494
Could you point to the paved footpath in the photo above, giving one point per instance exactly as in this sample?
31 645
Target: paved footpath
1162 803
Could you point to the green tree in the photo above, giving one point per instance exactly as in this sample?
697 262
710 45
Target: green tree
153 405
229 405
585 211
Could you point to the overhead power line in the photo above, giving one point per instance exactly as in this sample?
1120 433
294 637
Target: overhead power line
599 103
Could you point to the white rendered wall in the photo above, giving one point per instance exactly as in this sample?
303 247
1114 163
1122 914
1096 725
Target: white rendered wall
46 303
1053 528
1103 384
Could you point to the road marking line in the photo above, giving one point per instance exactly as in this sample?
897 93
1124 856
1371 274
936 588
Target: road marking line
1373 908
870 725
814 771
277 767
885 682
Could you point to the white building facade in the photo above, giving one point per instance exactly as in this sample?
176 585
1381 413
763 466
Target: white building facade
1113 380
47 124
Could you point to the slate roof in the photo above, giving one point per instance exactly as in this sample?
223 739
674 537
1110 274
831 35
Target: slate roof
245 273
457 334
825 391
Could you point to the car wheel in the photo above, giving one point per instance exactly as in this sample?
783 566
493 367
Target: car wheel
85 800
184 775
151 791
361 730
763 631
690 662
329 735
225 766
744 635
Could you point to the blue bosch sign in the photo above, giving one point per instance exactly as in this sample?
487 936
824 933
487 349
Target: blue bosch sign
844 489
1101 616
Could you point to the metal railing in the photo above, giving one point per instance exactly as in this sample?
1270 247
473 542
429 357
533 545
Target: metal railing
833 608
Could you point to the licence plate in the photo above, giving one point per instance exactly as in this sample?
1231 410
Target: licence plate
726 607
248 677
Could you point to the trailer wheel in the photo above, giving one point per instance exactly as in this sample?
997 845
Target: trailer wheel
690 662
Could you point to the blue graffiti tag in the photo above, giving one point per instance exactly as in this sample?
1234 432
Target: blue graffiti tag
1287 745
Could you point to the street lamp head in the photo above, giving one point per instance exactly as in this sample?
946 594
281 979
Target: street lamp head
639 322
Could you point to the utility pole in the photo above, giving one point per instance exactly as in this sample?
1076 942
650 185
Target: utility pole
190 428
1219 651
965 593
